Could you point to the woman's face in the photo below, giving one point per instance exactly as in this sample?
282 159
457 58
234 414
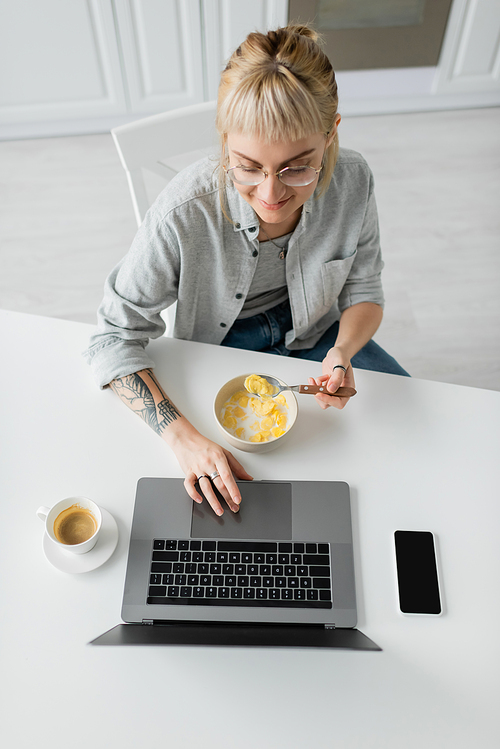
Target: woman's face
275 203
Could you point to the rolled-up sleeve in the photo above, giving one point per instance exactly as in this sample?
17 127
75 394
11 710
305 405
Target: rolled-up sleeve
136 291
364 283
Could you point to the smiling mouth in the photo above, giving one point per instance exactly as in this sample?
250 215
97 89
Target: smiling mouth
273 206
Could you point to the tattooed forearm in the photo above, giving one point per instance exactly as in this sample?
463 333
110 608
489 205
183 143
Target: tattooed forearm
138 392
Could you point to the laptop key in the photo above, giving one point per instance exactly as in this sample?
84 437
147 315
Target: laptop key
321 582
197 556
168 579
323 559
223 592
198 592
248 546
193 579
236 593
218 580
305 582
268 582
171 544
155 579
172 591
249 593
211 592
299 595
243 581
161 567
186 592
195 545
180 579
182 545
293 582
287 594
319 571
165 556
255 582
158 544
261 594
312 595
157 590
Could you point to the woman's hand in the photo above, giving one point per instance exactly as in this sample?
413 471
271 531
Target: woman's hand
334 378
200 457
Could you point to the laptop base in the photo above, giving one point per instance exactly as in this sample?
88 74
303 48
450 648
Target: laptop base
239 635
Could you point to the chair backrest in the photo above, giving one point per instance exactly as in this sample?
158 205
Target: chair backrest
162 145
155 149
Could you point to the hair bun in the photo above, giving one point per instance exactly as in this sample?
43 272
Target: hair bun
303 30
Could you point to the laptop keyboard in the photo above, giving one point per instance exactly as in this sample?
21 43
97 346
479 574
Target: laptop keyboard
240 573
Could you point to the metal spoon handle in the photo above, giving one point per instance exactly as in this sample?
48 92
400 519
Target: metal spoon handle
342 392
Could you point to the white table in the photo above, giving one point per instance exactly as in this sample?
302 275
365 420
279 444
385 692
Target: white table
417 455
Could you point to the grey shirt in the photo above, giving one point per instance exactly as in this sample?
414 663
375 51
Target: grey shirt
187 251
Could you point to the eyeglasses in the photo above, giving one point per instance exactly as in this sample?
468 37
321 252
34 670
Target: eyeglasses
293 176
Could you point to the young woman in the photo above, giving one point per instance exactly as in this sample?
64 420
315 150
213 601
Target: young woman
276 249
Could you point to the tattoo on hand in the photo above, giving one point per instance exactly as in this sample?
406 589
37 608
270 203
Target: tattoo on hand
135 392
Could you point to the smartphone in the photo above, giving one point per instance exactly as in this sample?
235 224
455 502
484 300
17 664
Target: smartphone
418 579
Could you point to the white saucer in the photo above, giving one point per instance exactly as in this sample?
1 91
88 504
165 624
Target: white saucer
66 561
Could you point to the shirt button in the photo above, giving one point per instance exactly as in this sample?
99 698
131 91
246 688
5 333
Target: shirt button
239 296
238 226
252 228
223 325
254 253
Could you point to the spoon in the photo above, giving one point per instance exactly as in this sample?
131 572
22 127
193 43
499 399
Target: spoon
342 392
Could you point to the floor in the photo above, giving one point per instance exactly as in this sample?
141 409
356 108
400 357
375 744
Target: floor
66 219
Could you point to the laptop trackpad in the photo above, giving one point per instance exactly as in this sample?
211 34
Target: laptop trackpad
265 512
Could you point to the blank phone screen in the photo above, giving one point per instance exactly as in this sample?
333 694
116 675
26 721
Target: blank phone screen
417 572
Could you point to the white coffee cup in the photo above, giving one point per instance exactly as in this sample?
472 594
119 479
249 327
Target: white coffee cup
50 514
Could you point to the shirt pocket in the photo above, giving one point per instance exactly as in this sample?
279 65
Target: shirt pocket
334 275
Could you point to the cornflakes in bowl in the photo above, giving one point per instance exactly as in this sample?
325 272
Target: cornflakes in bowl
252 423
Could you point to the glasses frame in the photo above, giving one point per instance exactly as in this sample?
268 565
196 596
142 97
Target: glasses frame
275 174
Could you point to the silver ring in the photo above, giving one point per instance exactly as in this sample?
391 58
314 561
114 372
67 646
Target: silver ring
339 366
213 475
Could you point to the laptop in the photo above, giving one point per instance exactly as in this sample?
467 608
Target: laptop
279 573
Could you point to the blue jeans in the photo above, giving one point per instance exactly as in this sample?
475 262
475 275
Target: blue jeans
266 332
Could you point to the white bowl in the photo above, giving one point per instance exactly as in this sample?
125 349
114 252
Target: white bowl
232 387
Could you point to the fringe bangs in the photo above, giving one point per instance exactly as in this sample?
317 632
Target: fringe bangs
267 109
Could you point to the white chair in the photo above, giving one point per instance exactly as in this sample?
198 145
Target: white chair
155 149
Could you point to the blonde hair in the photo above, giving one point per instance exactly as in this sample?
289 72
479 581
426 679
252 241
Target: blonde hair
280 86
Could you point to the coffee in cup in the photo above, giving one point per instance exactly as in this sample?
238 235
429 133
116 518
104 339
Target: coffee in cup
72 524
